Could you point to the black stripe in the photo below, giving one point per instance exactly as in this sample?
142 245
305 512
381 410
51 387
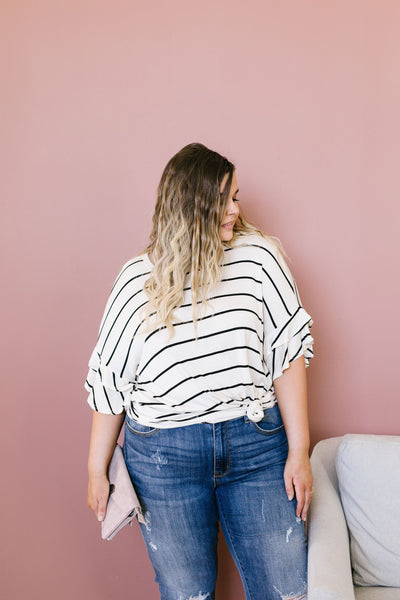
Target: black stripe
296 354
284 357
108 401
202 337
127 357
228 387
227 402
131 263
203 413
298 331
286 324
217 314
206 316
196 416
273 363
241 277
105 393
308 334
114 382
121 334
142 321
132 408
197 357
112 304
277 262
244 260
186 289
206 375
287 349
277 291
269 313
94 401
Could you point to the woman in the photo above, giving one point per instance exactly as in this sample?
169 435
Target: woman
202 351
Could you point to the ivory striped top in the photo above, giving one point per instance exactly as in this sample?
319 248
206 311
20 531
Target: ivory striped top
255 326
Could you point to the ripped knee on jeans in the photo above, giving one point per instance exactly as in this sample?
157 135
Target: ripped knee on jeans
200 596
301 596
294 597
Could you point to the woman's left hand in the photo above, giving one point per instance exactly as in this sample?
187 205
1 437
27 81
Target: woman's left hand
299 481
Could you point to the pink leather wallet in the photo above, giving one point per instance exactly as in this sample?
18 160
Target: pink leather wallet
123 504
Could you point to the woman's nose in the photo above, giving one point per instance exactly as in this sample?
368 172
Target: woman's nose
232 208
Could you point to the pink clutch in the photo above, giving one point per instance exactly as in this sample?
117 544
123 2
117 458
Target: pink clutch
123 504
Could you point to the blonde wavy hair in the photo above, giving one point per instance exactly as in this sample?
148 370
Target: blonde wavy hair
185 238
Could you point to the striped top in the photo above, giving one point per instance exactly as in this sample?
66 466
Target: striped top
255 326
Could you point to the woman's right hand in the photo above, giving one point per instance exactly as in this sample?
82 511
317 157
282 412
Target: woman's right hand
98 493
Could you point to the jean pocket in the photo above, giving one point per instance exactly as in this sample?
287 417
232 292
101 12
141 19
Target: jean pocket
139 429
271 422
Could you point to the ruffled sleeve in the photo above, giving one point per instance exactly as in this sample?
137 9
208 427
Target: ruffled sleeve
111 375
286 323
108 393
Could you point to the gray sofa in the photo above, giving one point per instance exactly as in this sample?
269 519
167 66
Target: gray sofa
354 519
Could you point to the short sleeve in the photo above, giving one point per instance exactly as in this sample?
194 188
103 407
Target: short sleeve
110 380
286 323
107 392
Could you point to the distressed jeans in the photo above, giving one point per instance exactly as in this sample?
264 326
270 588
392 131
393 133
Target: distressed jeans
190 478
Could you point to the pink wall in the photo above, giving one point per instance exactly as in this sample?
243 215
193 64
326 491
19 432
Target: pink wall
96 96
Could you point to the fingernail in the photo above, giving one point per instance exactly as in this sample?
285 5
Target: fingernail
290 496
100 517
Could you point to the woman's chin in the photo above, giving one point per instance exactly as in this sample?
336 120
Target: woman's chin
226 234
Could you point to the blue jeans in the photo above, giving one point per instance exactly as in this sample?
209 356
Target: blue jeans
190 478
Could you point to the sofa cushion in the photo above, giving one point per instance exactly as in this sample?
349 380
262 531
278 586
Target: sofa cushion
368 469
376 593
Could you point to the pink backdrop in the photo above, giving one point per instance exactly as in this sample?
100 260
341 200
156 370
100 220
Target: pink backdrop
96 96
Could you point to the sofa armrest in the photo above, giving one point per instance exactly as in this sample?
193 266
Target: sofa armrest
329 566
